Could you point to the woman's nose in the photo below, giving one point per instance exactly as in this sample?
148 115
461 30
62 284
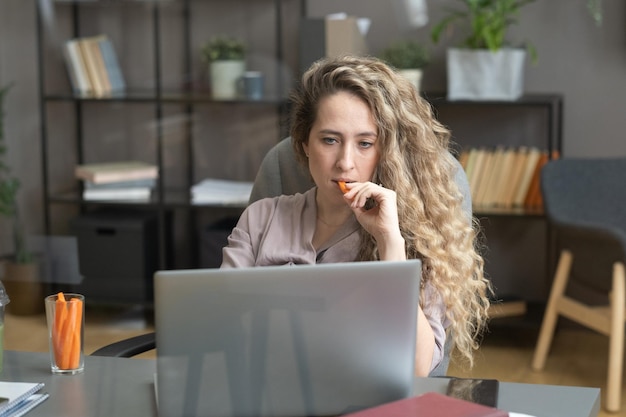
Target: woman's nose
345 160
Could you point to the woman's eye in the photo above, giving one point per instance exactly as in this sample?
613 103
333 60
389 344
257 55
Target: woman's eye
330 140
366 145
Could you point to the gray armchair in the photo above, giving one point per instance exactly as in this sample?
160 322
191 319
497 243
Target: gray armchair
583 200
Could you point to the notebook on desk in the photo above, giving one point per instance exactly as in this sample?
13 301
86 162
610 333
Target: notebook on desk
306 340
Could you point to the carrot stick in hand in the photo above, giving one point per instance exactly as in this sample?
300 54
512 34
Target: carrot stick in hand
342 186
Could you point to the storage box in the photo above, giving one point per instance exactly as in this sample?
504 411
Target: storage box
322 37
117 254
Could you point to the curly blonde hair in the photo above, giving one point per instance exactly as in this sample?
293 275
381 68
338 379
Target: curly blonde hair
415 162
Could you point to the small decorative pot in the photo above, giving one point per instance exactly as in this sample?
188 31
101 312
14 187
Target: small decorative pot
225 76
414 75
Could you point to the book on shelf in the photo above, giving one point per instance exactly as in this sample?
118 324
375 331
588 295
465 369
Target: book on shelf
218 191
534 199
484 179
97 85
506 178
111 65
139 183
492 187
130 193
20 397
93 66
527 174
93 43
517 168
109 172
77 71
430 404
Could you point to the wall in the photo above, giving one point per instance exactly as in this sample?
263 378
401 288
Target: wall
587 64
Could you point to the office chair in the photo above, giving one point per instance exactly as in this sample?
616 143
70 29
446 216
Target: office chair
278 174
584 204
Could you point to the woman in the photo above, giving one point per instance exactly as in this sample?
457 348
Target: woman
357 122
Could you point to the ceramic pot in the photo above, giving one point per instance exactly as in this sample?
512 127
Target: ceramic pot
485 75
414 75
225 77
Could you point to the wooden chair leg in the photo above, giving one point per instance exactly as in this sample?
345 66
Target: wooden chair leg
616 339
550 316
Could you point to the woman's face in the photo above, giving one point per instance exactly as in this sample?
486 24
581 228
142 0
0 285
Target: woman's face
343 144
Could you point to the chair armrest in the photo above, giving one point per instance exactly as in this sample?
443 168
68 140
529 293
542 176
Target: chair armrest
128 347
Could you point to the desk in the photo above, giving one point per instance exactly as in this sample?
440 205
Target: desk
124 387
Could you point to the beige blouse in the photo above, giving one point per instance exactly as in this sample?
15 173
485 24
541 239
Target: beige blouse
279 231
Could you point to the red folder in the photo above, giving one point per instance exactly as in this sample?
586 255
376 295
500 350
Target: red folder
431 404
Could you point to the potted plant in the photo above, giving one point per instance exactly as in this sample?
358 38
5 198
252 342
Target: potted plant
226 58
486 66
21 276
409 57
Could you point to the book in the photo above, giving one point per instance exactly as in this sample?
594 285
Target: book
477 170
430 404
20 397
486 176
216 191
111 64
516 175
108 172
93 44
143 183
527 174
131 193
77 71
505 179
91 65
491 189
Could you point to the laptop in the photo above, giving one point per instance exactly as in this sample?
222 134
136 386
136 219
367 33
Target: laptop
304 340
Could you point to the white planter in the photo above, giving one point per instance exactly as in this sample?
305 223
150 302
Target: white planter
485 75
225 77
414 76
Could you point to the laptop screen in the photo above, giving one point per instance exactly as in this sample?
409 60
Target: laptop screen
306 340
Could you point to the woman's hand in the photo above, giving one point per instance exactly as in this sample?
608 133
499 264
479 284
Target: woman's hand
381 220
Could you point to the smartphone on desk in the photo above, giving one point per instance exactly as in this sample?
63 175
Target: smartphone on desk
481 391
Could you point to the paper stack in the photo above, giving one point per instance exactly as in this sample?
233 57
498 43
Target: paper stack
221 192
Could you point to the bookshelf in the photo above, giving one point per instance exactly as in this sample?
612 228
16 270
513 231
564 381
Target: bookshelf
520 253
165 115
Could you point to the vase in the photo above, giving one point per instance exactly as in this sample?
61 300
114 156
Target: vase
225 77
475 74
24 287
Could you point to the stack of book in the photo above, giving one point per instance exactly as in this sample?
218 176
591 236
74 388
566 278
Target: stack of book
226 192
505 178
93 67
127 180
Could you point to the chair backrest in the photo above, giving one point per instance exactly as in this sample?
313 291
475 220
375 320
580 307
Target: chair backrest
583 200
280 173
